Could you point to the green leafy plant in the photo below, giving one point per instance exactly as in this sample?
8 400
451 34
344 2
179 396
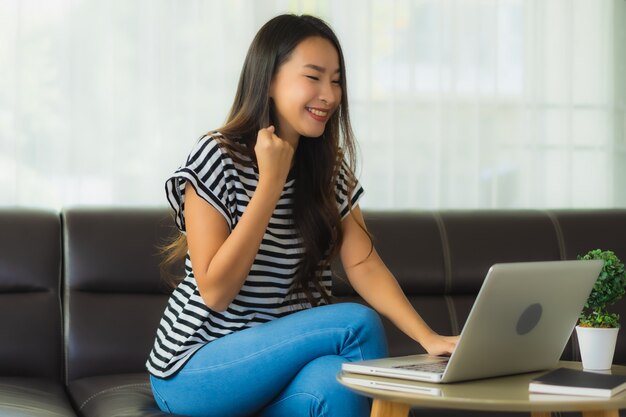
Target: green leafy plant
606 291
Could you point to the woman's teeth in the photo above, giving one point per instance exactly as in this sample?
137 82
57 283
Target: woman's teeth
319 113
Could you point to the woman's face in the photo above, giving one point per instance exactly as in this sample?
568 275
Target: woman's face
306 89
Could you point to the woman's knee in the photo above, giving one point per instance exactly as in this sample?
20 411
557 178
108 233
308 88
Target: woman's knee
362 317
366 326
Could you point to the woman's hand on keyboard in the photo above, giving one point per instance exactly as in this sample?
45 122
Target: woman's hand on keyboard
436 344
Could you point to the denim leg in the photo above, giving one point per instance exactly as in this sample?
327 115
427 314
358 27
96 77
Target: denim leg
314 392
240 374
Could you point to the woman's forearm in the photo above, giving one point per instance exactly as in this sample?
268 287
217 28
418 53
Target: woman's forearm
231 264
375 283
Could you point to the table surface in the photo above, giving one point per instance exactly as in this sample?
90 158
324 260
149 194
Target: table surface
509 393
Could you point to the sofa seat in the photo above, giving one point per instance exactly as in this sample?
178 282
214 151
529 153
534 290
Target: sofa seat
121 395
33 397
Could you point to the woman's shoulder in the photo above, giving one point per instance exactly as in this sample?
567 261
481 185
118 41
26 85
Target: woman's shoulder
228 148
211 145
212 139
207 147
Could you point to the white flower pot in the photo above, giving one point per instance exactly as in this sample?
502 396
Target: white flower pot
597 347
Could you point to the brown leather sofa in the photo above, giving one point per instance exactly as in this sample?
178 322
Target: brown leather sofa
81 296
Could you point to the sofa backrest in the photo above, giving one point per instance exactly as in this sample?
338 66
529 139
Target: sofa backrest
30 305
475 240
440 258
582 230
114 296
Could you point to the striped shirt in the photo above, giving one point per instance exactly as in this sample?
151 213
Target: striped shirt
187 323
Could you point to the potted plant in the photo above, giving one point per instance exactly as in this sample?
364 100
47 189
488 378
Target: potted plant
597 329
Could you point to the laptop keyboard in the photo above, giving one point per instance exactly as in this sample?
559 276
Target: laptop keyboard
433 367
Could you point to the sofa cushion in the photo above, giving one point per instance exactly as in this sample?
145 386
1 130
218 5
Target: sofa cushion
121 395
33 397
114 297
475 240
584 230
115 250
404 240
30 306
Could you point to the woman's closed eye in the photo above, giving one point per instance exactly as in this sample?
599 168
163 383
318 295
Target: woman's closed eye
312 77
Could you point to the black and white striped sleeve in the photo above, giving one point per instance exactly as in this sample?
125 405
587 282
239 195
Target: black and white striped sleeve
206 169
346 180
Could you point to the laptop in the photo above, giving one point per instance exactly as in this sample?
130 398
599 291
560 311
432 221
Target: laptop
520 322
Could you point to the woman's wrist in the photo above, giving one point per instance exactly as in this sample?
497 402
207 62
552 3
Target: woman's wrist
425 336
272 189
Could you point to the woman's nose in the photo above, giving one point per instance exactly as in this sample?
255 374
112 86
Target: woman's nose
329 94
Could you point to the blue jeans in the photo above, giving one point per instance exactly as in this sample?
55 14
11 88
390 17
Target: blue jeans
286 367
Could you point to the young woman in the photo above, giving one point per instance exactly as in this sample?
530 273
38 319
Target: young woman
264 204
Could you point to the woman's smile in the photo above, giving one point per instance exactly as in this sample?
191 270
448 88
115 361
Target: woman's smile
318 114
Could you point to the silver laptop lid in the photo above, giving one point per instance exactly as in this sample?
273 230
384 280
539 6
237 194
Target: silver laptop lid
522 318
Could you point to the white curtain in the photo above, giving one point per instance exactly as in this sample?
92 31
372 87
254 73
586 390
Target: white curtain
456 103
